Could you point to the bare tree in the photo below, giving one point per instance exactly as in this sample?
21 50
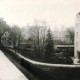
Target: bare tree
70 34
15 35
3 27
38 33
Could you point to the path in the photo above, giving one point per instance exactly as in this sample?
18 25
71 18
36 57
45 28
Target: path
8 71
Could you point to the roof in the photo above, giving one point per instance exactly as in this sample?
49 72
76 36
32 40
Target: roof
64 45
6 34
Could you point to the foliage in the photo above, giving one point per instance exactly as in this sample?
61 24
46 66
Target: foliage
49 45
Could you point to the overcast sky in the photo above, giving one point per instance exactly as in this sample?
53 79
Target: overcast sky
54 12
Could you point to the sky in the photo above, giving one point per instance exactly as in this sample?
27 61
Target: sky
54 12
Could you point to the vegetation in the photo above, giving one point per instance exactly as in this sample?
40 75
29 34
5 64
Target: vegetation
49 45
70 34
37 34
15 34
3 28
39 44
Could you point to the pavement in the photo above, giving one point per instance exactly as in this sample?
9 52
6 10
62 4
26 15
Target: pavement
8 71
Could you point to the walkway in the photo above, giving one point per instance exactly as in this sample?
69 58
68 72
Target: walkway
8 71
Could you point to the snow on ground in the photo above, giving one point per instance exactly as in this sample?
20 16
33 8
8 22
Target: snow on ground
8 71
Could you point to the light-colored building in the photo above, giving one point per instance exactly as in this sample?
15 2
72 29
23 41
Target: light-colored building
77 40
62 41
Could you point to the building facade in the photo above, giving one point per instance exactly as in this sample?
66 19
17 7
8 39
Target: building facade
77 40
62 41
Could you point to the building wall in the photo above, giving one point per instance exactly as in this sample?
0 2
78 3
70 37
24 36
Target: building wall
62 41
77 36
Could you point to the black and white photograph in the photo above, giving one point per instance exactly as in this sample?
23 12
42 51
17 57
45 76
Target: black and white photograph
39 39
